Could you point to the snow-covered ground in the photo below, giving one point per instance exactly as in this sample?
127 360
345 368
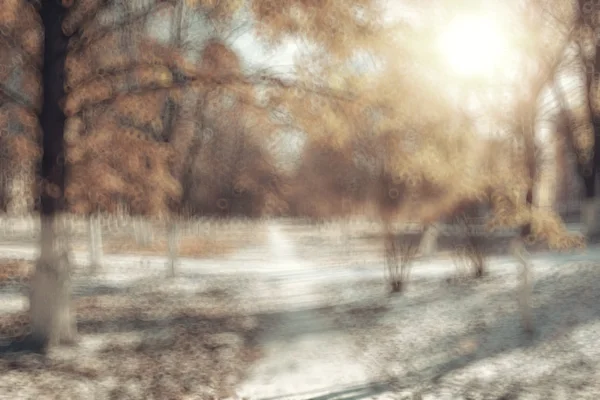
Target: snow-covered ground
439 340
303 349
332 332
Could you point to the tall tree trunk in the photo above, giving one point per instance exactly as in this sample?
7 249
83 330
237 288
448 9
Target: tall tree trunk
95 242
50 310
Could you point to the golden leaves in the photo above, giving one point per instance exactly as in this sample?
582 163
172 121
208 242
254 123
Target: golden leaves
116 51
16 16
32 43
21 149
21 52
19 79
142 109
19 139
106 87
548 227
119 85
16 120
219 11
218 59
337 25
133 147
140 177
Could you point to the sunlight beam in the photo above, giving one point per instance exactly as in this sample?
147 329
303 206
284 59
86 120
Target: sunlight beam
474 46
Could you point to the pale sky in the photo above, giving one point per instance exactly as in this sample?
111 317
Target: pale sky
499 95
255 56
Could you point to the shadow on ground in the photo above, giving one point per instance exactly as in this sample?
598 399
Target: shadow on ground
357 392
445 340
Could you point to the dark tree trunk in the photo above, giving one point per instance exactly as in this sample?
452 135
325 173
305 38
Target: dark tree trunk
590 205
51 318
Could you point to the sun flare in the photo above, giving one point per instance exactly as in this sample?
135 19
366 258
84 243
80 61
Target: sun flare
473 46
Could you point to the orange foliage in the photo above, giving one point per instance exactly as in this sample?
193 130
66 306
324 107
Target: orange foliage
103 172
340 27
150 126
21 52
218 59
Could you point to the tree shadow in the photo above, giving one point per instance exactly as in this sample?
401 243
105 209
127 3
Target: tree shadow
304 322
356 392
150 283
21 346
487 317
565 301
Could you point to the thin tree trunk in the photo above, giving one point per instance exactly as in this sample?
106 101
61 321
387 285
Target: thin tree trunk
589 216
525 289
173 243
429 240
52 322
142 232
95 242
19 194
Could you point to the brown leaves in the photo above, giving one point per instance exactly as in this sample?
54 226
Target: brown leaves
116 51
20 149
145 122
21 52
218 59
121 104
17 16
106 87
104 170
17 120
218 11
339 26
20 77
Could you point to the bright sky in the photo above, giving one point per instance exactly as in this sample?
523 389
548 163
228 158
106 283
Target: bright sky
472 46
467 38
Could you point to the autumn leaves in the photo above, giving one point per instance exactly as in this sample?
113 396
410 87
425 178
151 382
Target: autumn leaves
166 124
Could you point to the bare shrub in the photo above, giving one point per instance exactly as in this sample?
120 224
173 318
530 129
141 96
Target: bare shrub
471 255
399 254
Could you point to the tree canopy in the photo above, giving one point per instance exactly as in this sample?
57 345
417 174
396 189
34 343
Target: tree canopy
165 116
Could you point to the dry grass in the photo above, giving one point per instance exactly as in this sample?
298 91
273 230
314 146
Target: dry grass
188 247
14 271
224 241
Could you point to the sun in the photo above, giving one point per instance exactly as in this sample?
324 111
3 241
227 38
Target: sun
473 46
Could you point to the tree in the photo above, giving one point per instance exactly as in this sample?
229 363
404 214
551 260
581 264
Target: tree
131 101
413 151
588 25
52 321
141 103
227 170
117 119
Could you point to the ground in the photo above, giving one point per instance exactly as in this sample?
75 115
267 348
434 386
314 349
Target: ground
306 315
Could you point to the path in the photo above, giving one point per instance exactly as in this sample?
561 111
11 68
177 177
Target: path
306 357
